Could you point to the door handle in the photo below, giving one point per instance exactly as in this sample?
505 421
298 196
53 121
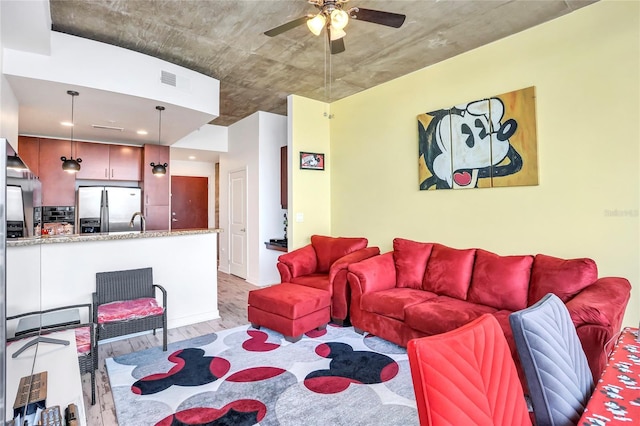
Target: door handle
242 230
173 219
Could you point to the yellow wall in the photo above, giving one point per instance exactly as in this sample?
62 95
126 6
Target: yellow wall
585 68
308 132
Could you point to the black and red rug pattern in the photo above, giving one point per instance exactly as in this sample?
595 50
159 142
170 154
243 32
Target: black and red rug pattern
245 376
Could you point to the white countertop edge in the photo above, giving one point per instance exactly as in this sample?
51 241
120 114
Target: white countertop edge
20 242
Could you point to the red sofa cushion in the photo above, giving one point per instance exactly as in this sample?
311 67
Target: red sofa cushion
410 258
393 302
330 249
449 271
128 309
500 281
562 277
443 314
319 281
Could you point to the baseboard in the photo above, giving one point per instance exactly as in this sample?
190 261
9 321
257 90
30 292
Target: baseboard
193 319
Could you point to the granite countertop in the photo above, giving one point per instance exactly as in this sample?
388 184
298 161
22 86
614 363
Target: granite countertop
20 242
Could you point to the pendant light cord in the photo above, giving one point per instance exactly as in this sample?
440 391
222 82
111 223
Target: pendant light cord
73 123
160 127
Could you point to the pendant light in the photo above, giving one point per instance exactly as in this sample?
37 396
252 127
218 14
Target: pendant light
159 169
69 164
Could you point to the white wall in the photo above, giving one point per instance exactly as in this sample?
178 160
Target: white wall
88 63
188 275
254 145
199 169
208 137
273 135
26 25
8 102
243 146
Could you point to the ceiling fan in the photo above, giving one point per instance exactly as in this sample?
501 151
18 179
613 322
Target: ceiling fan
334 18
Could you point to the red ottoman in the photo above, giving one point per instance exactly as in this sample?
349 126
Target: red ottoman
290 309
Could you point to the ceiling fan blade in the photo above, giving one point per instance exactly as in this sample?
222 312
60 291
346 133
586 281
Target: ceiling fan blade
286 27
337 46
389 19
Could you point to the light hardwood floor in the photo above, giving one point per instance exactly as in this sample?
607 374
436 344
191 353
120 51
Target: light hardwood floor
232 304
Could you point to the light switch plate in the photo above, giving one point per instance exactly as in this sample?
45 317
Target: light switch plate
299 217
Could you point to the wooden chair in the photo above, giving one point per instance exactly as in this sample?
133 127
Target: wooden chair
124 303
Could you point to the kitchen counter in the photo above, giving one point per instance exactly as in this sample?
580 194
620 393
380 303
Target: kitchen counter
50 272
54 239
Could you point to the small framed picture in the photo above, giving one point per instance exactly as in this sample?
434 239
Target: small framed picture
311 161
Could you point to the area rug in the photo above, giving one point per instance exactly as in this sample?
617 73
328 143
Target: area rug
245 376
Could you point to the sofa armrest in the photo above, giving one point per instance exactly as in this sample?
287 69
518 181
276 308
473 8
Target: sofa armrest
373 274
302 261
355 257
341 298
601 303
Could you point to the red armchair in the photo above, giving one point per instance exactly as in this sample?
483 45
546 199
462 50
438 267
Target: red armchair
323 264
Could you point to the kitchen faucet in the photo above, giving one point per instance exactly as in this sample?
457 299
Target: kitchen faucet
142 221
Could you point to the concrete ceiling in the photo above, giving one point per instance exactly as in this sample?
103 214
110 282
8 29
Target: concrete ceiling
224 39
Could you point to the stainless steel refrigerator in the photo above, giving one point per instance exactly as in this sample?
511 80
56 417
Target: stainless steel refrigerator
15 212
108 209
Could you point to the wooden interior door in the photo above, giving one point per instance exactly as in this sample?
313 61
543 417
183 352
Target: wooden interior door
189 202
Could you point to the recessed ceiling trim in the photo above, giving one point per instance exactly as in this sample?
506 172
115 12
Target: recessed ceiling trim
100 126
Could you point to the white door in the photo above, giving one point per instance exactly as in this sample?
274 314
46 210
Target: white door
238 223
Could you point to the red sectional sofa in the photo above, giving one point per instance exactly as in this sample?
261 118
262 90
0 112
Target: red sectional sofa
422 289
323 265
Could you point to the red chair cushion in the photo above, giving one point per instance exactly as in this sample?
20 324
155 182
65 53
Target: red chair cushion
330 249
128 310
83 340
562 277
500 281
449 271
410 258
319 281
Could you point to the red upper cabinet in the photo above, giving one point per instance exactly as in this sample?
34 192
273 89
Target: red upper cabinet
156 188
125 162
29 152
95 160
58 186
109 162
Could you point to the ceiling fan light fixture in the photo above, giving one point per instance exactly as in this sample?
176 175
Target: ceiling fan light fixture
336 33
339 19
316 24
